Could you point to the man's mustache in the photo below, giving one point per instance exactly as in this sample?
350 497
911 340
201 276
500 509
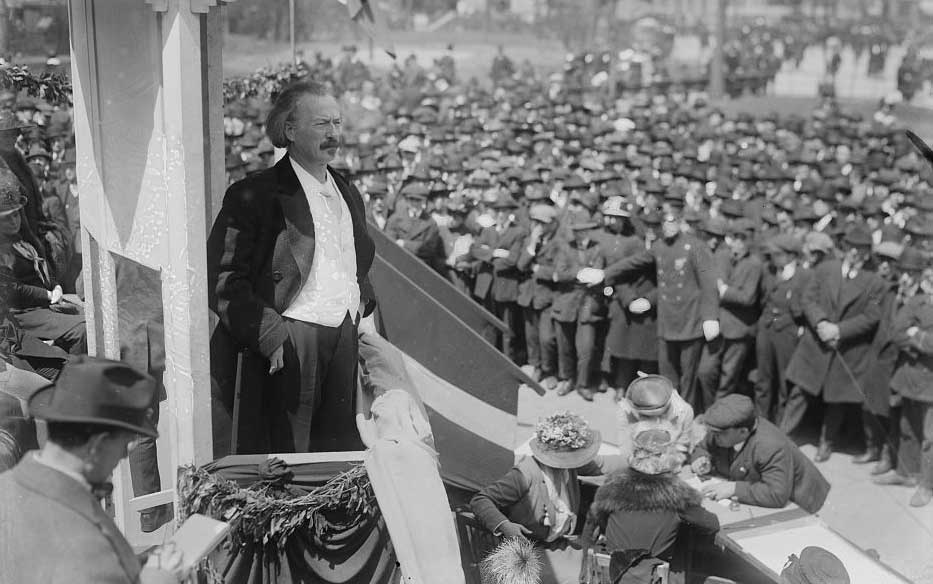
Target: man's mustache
330 144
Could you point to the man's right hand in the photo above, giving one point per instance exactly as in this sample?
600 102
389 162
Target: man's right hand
277 360
510 529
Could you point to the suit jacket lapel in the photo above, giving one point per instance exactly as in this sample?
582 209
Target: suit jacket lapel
59 487
299 225
834 286
851 290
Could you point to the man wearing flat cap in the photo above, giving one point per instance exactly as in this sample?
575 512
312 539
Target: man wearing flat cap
842 305
781 322
95 411
760 464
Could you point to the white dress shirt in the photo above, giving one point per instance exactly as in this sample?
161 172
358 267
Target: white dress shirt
331 290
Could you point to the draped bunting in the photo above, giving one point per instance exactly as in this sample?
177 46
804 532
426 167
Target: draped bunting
358 549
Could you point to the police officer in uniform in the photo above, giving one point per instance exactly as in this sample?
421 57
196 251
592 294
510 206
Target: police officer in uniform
688 301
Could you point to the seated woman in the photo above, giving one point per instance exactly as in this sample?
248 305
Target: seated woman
641 509
36 303
539 497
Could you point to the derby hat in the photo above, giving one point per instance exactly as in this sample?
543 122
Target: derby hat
565 440
650 395
542 213
815 565
716 226
912 260
858 236
91 390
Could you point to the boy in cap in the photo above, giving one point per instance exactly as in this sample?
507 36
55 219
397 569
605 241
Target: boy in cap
537 258
580 310
722 363
95 411
781 322
912 332
760 464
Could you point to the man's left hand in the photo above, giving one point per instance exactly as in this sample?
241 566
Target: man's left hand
719 491
721 286
500 254
400 242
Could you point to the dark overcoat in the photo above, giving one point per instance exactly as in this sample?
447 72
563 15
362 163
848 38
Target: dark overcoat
259 255
884 357
687 293
855 304
498 277
769 470
632 336
573 301
537 290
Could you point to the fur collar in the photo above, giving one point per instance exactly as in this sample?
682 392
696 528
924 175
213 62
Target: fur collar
629 490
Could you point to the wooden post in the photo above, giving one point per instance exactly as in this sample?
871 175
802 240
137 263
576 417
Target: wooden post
147 108
717 83
291 30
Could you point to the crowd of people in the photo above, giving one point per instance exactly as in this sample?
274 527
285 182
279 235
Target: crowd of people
785 257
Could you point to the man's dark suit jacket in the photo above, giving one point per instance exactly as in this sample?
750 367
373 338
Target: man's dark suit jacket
259 255
768 471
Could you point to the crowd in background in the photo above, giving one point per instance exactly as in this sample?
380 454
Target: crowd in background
785 257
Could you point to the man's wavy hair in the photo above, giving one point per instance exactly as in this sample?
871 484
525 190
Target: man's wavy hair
283 109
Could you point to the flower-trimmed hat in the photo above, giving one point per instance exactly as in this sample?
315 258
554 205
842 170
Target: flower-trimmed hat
565 440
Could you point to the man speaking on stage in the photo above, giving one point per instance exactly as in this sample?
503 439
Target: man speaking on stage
288 258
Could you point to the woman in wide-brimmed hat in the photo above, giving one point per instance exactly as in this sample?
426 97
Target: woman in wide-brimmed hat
539 497
640 510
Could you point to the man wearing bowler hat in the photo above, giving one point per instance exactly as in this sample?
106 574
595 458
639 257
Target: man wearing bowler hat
842 305
95 410
759 463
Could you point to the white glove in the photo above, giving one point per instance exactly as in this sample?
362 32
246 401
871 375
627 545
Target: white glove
590 276
500 253
639 306
710 329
